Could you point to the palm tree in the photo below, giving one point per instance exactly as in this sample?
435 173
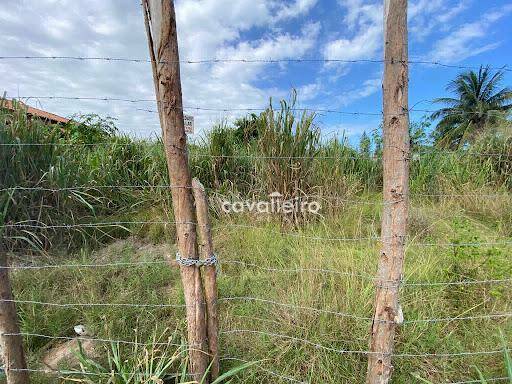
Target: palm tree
477 106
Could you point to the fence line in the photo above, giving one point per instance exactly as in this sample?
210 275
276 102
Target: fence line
252 265
272 334
167 186
246 60
291 379
368 277
357 317
238 109
361 352
176 375
93 225
73 305
100 340
265 301
258 157
495 379
247 226
79 373
335 111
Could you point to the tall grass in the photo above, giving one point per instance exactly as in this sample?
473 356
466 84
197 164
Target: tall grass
279 150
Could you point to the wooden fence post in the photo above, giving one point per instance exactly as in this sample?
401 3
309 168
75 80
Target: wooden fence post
209 274
388 312
11 346
160 20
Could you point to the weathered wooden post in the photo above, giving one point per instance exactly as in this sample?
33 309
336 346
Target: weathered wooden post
160 19
11 343
209 273
388 312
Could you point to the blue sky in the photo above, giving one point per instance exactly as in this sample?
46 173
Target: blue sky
459 32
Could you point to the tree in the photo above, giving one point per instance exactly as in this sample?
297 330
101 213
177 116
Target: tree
478 105
365 144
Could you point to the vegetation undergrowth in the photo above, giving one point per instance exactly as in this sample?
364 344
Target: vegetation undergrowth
276 279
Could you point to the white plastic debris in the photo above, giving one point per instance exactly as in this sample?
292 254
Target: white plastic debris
80 330
399 317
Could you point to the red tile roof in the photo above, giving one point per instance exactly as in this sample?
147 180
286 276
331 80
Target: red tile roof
31 111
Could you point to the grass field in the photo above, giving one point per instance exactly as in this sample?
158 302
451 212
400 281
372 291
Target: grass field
270 246
296 296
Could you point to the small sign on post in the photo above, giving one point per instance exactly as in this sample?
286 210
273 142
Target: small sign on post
189 124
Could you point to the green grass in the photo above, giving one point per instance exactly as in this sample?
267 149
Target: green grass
347 181
441 222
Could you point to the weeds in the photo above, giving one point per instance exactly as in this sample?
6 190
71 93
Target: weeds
277 150
160 361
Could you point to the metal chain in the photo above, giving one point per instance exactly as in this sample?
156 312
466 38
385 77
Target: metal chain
210 261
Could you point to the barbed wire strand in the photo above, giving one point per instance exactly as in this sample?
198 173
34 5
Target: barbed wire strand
460 112
368 277
94 225
357 317
72 305
272 334
259 157
245 60
79 373
95 339
309 197
362 352
495 379
243 109
247 226
261 300
291 379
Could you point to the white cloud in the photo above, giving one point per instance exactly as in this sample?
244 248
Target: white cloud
366 21
309 91
427 16
367 88
363 21
231 84
206 29
299 7
466 41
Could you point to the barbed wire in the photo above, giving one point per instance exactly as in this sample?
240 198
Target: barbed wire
479 381
239 109
265 301
249 109
287 378
294 306
109 374
268 157
272 334
368 276
246 60
87 265
247 226
363 318
320 197
72 305
334 111
361 352
94 225
94 339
